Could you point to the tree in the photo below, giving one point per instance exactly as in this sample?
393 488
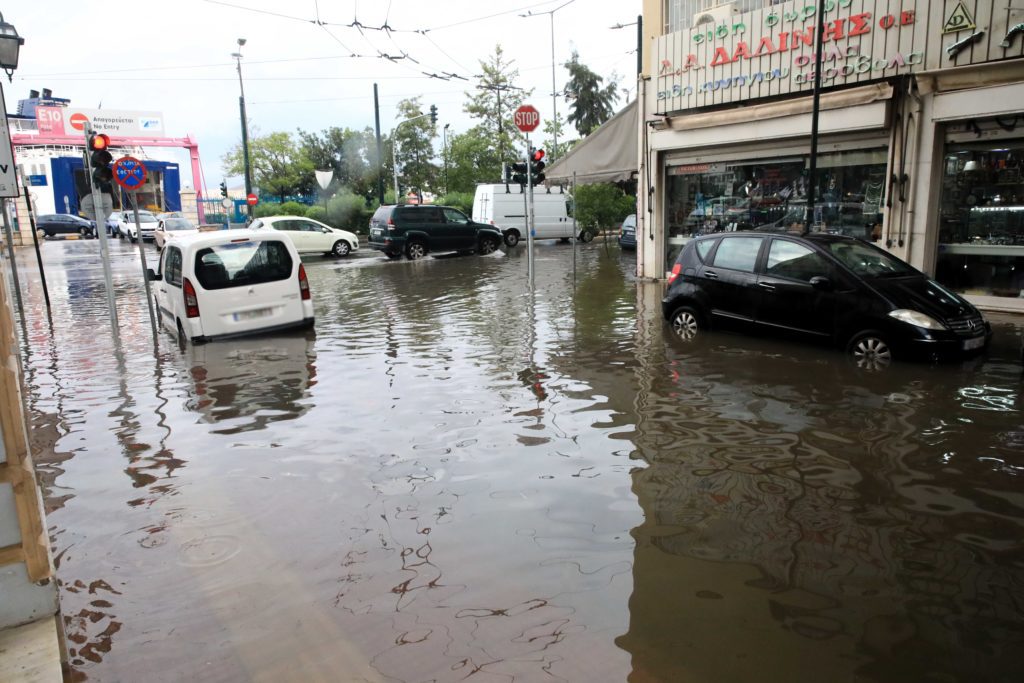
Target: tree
351 154
278 167
415 148
496 98
592 104
551 128
602 205
472 158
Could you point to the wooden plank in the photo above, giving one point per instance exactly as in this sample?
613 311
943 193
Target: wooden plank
11 554
34 542
7 473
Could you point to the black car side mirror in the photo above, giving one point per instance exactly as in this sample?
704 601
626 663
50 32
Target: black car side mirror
821 283
152 276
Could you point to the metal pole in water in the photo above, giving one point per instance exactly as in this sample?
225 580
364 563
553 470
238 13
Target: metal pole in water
574 228
35 241
142 257
529 212
14 266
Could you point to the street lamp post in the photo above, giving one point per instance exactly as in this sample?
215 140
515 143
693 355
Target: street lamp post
245 123
554 88
444 154
10 47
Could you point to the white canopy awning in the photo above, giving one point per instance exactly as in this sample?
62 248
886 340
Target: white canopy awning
607 155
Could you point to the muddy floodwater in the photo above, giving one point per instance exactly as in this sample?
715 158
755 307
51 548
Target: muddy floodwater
451 479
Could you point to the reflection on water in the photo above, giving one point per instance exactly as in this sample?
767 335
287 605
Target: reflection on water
455 479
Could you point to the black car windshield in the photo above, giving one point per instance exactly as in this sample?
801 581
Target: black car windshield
242 263
868 261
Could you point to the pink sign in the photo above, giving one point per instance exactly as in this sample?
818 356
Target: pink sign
50 120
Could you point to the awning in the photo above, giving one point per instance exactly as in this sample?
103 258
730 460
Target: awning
607 155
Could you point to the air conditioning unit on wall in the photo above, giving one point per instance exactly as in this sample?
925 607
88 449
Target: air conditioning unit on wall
722 14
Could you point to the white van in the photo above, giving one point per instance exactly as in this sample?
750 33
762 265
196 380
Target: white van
504 206
229 283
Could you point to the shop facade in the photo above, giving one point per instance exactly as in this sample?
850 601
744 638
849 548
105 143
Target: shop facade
920 140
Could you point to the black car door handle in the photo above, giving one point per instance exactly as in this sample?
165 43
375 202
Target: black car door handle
767 286
711 274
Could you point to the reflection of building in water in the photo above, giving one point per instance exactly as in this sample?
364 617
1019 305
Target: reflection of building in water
248 383
818 538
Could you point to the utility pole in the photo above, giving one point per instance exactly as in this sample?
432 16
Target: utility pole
380 150
245 123
554 87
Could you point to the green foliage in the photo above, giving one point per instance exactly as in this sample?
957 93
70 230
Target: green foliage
292 209
344 210
414 137
278 165
351 154
592 104
264 209
602 205
317 213
463 201
492 103
472 159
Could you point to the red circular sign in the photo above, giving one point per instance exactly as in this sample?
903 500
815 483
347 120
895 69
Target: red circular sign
526 118
129 173
251 199
78 121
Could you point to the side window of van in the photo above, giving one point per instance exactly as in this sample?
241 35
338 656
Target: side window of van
172 267
570 206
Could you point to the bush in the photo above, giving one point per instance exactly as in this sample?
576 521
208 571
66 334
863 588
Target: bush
344 210
317 213
292 209
463 201
602 205
265 209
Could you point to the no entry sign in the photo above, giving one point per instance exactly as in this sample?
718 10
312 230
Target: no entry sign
129 173
251 199
526 118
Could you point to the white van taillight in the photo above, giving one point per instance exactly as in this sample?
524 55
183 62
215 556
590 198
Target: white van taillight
303 283
191 302
676 269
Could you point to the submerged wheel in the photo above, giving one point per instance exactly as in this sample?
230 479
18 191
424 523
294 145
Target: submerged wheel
870 351
512 238
488 245
686 323
586 236
415 250
341 248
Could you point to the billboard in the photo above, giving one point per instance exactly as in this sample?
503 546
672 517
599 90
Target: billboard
70 121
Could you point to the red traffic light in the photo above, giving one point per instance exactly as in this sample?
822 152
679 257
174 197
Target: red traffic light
99 141
538 154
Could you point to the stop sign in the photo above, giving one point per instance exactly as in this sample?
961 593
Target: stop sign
251 199
526 118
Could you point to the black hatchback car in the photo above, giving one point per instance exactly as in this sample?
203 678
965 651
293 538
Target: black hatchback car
416 230
53 224
832 288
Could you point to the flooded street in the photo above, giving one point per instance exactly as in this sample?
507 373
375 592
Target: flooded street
451 479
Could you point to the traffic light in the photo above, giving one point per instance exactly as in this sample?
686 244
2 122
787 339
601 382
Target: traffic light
537 166
223 188
100 158
433 114
519 171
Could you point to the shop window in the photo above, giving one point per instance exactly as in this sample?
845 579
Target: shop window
981 218
771 195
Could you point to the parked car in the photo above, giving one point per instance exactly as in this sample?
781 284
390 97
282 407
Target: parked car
627 233
504 207
171 227
53 224
416 230
229 283
826 287
310 236
126 225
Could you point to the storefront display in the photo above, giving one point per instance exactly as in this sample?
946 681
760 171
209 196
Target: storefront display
981 230
771 194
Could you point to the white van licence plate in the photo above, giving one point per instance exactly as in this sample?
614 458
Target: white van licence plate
249 315
975 343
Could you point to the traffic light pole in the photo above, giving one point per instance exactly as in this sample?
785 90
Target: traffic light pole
529 213
101 231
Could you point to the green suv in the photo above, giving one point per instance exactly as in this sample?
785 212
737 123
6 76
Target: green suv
416 230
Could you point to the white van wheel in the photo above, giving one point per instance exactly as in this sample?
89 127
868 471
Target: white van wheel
512 238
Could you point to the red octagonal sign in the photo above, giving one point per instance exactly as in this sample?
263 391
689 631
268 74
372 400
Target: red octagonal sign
526 118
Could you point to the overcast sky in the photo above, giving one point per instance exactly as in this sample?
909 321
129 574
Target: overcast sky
175 58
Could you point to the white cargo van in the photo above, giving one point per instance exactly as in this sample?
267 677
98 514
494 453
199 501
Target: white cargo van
230 283
504 206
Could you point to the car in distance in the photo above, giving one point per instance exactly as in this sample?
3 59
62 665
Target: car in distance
833 288
627 233
230 283
126 225
169 227
310 236
53 224
416 230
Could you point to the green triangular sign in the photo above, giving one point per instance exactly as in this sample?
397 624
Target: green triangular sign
959 20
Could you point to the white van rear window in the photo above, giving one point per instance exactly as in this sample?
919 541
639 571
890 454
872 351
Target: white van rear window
240 264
